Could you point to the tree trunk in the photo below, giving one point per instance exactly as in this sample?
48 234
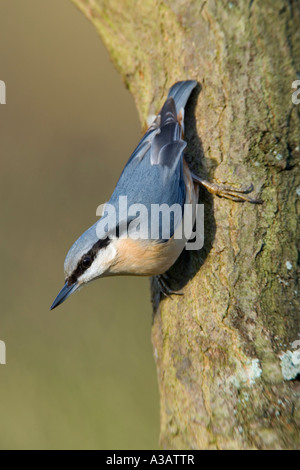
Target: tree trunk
226 355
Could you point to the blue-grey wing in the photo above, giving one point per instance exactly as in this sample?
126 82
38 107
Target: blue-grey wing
180 92
154 172
167 146
157 159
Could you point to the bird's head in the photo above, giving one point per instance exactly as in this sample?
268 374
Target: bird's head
89 258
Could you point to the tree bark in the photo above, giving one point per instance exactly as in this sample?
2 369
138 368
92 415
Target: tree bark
225 353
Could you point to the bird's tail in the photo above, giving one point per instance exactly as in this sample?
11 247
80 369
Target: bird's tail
180 92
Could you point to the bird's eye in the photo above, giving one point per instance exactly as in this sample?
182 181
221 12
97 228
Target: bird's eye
86 262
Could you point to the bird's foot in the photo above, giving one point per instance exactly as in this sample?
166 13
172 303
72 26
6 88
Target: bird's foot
165 289
238 195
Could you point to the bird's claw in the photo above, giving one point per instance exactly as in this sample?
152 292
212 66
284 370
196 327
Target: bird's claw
165 288
238 195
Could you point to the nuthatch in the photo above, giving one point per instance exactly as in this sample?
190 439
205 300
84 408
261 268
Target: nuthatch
156 173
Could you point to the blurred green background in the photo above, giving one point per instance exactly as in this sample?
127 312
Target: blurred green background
82 376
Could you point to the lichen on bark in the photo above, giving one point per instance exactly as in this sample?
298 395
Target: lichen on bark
218 348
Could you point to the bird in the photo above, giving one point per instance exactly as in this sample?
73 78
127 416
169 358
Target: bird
156 174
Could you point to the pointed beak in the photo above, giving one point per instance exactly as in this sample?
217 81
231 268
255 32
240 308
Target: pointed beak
64 294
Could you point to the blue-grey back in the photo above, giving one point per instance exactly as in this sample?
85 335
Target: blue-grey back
154 172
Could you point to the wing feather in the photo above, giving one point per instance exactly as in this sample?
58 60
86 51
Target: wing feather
167 146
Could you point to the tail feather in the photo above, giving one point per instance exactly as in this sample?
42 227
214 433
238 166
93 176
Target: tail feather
168 113
180 92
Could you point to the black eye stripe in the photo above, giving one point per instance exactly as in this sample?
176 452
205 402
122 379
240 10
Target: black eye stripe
92 253
86 260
